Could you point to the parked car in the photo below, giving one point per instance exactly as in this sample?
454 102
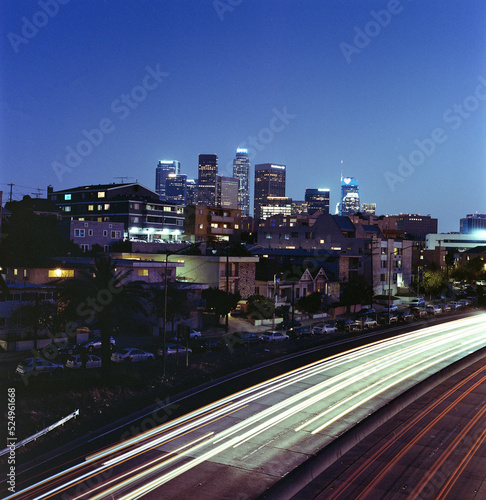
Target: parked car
405 316
446 308
348 325
367 311
131 354
42 366
418 312
76 362
417 302
299 332
274 336
59 348
393 308
95 343
433 309
286 324
173 349
385 318
242 339
368 323
324 329
214 344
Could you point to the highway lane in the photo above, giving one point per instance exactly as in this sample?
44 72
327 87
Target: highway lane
267 430
435 448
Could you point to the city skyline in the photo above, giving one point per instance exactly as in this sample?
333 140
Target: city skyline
393 90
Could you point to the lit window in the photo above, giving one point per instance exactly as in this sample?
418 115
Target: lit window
61 273
237 226
90 208
101 194
106 206
143 272
79 233
321 242
201 226
67 208
16 271
67 196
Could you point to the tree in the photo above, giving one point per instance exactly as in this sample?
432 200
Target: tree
310 304
434 282
260 307
470 270
99 296
219 301
177 303
355 291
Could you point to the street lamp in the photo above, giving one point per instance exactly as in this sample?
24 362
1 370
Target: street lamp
274 297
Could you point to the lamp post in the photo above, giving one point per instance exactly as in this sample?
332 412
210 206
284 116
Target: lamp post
274 297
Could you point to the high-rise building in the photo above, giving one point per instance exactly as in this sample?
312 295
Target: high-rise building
275 205
226 192
241 171
269 181
473 222
368 208
349 196
208 170
163 169
317 199
191 192
175 189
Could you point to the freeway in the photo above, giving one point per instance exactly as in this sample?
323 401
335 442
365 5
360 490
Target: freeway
244 443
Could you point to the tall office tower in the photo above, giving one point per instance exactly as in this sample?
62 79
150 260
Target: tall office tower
241 171
472 222
175 189
163 169
269 181
226 192
349 196
275 205
317 199
191 192
206 185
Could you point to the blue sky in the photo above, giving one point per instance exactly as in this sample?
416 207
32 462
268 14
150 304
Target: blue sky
392 93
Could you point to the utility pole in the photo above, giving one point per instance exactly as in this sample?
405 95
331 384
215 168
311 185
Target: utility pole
11 186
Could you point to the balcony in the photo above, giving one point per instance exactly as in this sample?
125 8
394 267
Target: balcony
220 230
220 218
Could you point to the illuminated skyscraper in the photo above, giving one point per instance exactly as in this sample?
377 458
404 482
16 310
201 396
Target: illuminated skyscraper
175 189
208 170
269 181
191 192
241 171
317 199
349 196
163 169
226 192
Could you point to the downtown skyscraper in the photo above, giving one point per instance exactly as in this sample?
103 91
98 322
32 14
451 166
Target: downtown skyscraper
317 199
207 172
349 196
269 182
162 171
241 171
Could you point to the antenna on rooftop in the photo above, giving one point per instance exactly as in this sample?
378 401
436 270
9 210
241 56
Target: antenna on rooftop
37 195
123 177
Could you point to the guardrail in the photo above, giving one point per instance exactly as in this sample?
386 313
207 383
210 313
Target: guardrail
74 414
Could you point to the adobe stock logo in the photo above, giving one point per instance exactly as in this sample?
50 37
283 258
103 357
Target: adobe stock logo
372 29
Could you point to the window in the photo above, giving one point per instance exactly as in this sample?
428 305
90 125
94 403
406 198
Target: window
200 211
287 236
268 236
90 232
105 233
67 208
106 206
143 272
294 235
180 222
321 242
106 248
84 247
61 273
85 224
90 208
79 233
201 226
135 219
100 207
237 226
16 271
110 225
116 234
101 194
67 196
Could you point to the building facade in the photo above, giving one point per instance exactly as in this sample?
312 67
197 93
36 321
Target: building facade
269 181
317 199
162 171
86 234
275 205
207 172
472 222
210 223
241 171
176 189
191 192
226 192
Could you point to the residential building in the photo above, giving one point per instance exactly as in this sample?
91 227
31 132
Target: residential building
211 223
269 181
226 192
86 234
207 170
162 171
472 223
176 189
317 199
241 171
349 196
140 210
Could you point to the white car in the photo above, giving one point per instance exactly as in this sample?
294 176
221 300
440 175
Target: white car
274 336
433 309
324 329
76 362
42 366
393 308
131 354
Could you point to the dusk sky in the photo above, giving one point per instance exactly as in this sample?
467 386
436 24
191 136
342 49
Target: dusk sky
391 93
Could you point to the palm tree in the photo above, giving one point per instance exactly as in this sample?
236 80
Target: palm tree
100 296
